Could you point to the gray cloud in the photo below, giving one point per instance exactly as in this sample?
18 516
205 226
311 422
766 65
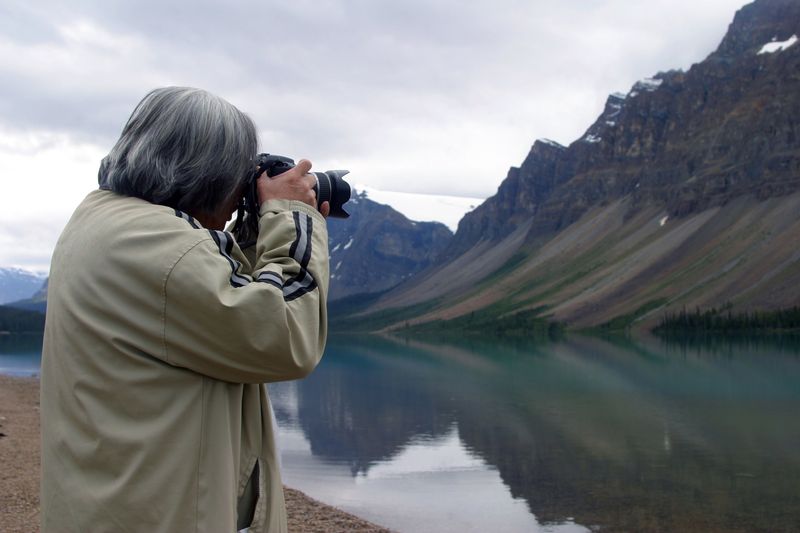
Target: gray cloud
416 96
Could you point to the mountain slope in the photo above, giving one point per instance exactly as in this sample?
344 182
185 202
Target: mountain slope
377 248
684 192
37 302
16 284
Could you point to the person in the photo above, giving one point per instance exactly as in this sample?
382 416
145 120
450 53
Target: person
160 333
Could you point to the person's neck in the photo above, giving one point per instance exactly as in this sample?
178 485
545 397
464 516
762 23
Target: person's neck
216 222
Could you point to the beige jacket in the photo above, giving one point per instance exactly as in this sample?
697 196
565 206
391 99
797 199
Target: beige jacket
159 337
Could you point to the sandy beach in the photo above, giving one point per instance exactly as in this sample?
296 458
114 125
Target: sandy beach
20 466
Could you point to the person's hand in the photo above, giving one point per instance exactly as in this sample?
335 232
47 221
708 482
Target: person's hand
294 184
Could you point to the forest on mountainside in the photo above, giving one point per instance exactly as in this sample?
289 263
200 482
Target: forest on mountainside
20 321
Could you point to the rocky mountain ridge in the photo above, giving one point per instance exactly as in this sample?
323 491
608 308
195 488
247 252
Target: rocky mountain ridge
680 151
695 118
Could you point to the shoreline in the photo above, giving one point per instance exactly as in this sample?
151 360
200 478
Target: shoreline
20 466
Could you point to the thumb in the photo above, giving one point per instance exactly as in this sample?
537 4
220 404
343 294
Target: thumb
302 167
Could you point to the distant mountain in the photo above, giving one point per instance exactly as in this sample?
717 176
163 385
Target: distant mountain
17 284
377 247
37 302
684 192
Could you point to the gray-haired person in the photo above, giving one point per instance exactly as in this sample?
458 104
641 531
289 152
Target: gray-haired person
160 333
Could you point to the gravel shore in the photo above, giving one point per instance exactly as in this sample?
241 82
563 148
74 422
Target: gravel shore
19 472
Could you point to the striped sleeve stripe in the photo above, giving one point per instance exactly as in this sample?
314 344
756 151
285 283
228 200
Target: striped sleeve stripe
270 277
224 241
301 247
293 288
298 286
300 251
305 221
188 218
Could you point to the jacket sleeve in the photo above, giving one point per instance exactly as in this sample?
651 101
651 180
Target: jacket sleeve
224 323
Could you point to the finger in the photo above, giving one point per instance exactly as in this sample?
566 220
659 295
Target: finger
311 179
325 209
302 167
311 199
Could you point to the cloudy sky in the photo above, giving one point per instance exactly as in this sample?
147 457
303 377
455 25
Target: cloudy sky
434 96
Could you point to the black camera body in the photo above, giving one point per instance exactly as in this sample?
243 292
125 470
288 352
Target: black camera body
330 188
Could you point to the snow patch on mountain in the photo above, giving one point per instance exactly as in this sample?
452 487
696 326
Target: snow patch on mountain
777 46
552 143
19 284
645 85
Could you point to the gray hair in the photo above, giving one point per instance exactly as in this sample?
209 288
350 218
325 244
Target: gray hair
184 148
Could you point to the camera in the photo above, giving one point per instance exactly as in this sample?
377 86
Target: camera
330 187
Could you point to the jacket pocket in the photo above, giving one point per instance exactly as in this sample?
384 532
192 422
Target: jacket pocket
260 511
249 495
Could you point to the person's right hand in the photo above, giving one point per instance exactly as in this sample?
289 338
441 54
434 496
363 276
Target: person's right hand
294 184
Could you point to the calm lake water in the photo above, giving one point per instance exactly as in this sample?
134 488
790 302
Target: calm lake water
20 355
575 435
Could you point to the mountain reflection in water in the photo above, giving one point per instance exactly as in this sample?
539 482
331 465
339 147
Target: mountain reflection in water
561 436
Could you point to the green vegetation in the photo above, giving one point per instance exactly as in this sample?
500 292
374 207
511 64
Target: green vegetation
726 345
782 321
568 281
504 270
19 321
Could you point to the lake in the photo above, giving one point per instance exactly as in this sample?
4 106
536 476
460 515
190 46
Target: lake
572 435
20 355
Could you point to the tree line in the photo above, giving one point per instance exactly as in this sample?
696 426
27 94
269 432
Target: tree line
726 321
19 321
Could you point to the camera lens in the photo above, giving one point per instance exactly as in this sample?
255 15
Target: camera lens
332 188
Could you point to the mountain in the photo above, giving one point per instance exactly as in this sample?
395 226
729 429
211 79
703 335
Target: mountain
685 192
377 247
37 302
16 284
